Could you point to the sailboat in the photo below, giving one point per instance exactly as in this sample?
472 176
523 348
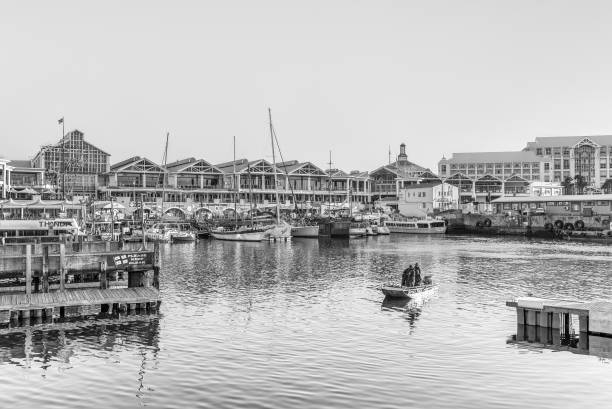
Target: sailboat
236 232
282 230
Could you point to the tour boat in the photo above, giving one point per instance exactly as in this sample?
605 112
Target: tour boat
423 226
305 231
41 227
395 291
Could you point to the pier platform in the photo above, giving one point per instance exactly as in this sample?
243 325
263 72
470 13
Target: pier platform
578 326
65 280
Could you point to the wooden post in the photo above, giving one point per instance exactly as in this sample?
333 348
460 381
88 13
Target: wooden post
62 267
28 282
103 276
142 222
156 266
45 269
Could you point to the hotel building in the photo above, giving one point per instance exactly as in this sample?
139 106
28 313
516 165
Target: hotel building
483 176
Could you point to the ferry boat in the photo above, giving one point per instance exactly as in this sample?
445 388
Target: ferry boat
417 226
42 227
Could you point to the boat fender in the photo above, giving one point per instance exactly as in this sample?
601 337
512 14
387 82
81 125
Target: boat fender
559 224
487 222
579 225
569 226
548 226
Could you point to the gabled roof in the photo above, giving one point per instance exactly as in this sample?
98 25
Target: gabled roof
558 141
300 168
137 164
21 164
259 166
193 165
386 168
336 173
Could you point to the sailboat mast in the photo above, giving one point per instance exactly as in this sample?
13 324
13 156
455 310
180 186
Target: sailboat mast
234 182
165 160
329 182
274 167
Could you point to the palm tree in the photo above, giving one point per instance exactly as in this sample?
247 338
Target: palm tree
568 184
607 186
581 183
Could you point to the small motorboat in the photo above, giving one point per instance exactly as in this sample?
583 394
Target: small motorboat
396 291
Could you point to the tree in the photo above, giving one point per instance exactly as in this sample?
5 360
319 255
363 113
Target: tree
581 183
568 184
607 186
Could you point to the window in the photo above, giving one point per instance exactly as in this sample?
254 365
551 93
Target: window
539 151
566 164
548 151
566 150
442 168
557 164
546 166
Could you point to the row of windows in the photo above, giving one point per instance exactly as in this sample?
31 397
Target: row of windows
565 151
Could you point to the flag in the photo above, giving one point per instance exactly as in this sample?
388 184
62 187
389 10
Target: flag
60 121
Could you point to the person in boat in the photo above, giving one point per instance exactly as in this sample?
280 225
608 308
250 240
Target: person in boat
409 273
417 274
405 277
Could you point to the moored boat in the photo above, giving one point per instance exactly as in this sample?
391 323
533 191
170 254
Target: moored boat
242 233
423 226
305 231
357 230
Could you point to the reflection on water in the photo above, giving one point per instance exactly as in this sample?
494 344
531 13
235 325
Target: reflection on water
56 343
581 343
303 324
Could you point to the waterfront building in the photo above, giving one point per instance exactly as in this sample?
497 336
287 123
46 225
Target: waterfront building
424 199
128 179
570 156
387 180
22 181
72 165
490 175
485 176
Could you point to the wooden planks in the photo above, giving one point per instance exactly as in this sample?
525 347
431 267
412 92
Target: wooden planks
78 297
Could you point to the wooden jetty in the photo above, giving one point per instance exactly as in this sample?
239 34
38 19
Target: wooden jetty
70 279
557 321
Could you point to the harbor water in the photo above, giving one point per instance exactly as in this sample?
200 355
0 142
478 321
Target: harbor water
278 325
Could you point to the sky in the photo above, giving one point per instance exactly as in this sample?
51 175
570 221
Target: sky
351 77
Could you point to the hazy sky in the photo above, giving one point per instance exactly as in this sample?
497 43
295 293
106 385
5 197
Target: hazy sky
349 76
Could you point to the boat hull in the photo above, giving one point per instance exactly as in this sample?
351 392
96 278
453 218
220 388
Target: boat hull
305 231
357 231
238 236
411 230
408 292
335 229
383 230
